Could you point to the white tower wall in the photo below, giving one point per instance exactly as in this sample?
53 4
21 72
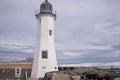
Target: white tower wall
45 42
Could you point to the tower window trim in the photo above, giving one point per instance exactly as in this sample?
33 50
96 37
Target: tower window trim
44 54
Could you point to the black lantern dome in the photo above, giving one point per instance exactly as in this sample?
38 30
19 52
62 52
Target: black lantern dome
46 7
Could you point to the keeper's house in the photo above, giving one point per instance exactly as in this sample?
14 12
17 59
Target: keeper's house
15 70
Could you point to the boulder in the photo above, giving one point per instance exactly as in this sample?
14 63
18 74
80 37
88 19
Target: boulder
117 79
61 77
75 77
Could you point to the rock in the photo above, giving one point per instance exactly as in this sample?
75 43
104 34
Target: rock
117 79
34 79
31 79
48 76
75 77
61 77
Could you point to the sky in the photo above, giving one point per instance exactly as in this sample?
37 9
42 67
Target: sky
85 30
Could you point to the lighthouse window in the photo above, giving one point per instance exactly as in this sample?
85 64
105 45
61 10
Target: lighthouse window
43 67
43 6
55 67
40 20
50 32
44 55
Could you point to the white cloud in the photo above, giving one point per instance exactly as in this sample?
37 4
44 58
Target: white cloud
81 45
71 54
108 28
78 23
16 47
114 54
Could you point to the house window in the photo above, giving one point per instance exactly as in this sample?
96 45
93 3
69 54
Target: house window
50 32
44 55
18 71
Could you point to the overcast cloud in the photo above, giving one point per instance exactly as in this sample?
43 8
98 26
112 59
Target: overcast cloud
85 30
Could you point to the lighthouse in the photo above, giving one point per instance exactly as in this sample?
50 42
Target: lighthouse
45 56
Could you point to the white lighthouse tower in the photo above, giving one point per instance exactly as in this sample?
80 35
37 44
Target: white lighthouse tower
45 56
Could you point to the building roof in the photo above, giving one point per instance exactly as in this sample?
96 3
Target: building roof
13 65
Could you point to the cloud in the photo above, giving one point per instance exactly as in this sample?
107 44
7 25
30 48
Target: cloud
15 51
89 52
85 31
108 28
17 19
116 47
114 54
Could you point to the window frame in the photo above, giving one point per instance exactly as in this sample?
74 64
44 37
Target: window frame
45 54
